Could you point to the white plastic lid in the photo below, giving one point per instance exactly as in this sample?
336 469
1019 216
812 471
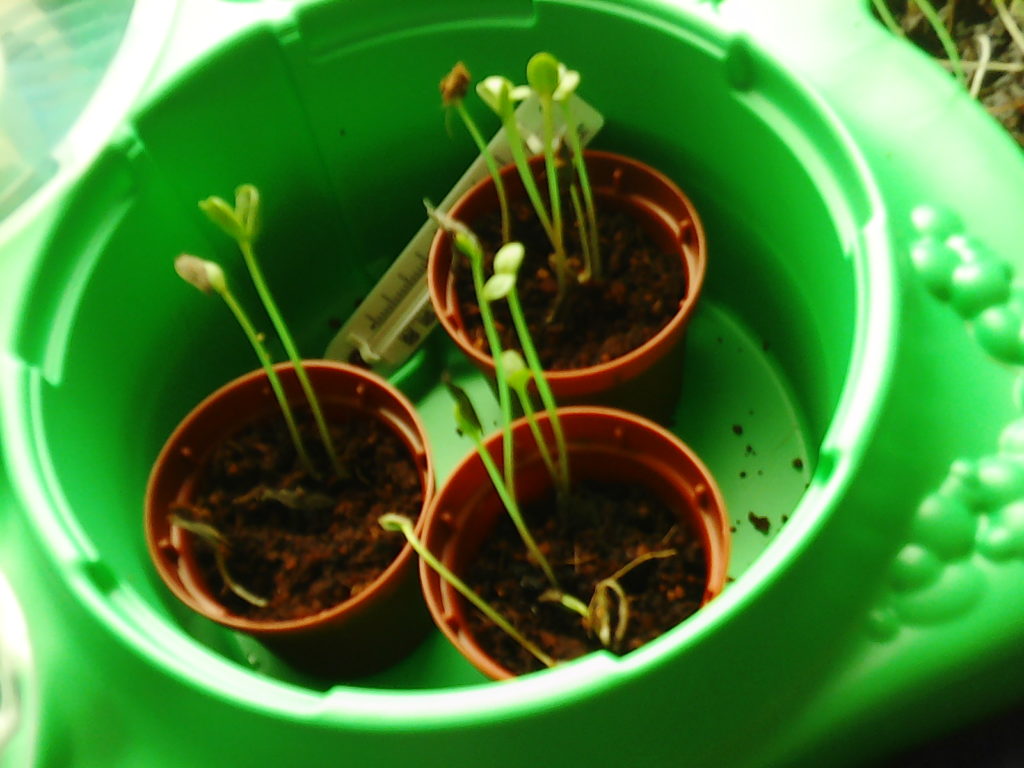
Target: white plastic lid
69 71
15 667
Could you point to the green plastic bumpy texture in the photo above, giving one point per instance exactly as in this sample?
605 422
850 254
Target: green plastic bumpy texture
979 507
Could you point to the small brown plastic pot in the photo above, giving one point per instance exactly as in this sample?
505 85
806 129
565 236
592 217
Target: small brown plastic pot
604 444
645 380
357 637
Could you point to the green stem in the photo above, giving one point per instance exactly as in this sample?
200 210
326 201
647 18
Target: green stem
476 262
538 436
554 199
543 389
292 352
508 499
492 166
406 527
882 9
214 539
944 38
272 377
515 143
579 162
565 600
588 265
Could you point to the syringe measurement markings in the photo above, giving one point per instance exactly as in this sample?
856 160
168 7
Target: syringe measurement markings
390 302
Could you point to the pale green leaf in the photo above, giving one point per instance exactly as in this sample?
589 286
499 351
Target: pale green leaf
508 259
247 210
498 287
223 215
542 74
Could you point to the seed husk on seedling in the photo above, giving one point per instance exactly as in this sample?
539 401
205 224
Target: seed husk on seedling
241 223
208 277
454 87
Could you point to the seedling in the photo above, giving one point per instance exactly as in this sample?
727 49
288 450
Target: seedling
519 378
542 75
241 223
501 96
597 614
502 285
469 245
468 423
219 545
393 522
208 277
554 85
454 87
568 81
606 616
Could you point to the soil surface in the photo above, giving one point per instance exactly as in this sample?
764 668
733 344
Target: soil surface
1002 87
603 528
599 320
303 543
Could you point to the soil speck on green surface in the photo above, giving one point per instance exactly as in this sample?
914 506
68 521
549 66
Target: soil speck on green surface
762 524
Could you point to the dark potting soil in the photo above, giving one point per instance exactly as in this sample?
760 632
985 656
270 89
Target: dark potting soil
603 528
1002 88
303 543
599 320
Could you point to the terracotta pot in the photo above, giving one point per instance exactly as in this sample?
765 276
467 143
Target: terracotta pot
606 445
357 637
667 215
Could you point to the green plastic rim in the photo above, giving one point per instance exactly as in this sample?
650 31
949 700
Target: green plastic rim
771 169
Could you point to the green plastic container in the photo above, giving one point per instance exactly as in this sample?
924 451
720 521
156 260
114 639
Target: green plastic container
857 338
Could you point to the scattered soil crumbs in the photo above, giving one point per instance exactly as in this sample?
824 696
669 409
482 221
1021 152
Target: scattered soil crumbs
602 529
303 543
1002 89
762 524
599 320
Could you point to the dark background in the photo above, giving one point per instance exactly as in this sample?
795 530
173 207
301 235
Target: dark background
995 742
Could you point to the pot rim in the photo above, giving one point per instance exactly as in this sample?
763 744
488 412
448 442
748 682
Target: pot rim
626 366
354 605
442 523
